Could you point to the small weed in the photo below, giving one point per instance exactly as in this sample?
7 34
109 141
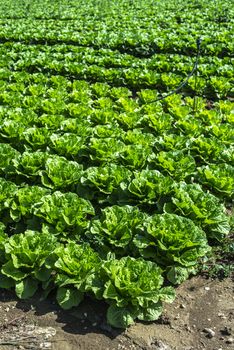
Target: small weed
221 262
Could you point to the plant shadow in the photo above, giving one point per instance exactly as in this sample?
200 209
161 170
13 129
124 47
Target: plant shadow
88 317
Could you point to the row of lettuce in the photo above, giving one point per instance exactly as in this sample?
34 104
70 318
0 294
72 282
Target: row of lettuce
211 86
133 288
19 55
150 190
126 162
59 241
143 36
72 97
54 253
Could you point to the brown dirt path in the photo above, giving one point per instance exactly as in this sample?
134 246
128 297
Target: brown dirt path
201 318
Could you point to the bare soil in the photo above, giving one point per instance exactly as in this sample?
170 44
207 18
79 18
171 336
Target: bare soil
202 317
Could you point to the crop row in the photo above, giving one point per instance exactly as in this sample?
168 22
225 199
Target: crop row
128 27
212 88
11 54
36 259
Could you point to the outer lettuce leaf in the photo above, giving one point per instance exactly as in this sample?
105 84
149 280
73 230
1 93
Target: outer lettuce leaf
178 274
7 192
121 317
152 313
3 240
172 240
26 288
116 228
64 211
69 297
201 207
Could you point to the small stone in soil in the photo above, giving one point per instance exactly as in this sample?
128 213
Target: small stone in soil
159 345
210 333
230 340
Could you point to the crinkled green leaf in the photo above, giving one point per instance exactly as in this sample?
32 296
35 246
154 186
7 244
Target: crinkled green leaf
120 317
75 263
69 297
26 288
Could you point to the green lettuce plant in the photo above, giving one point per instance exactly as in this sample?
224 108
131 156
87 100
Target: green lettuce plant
8 153
147 186
21 205
202 207
115 228
74 265
68 144
133 288
60 173
64 211
177 164
218 177
7 191
99 182
30 163
26 261
172 241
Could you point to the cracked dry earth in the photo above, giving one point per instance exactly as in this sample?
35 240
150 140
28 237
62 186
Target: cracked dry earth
202 317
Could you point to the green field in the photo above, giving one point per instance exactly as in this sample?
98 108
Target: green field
117 148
